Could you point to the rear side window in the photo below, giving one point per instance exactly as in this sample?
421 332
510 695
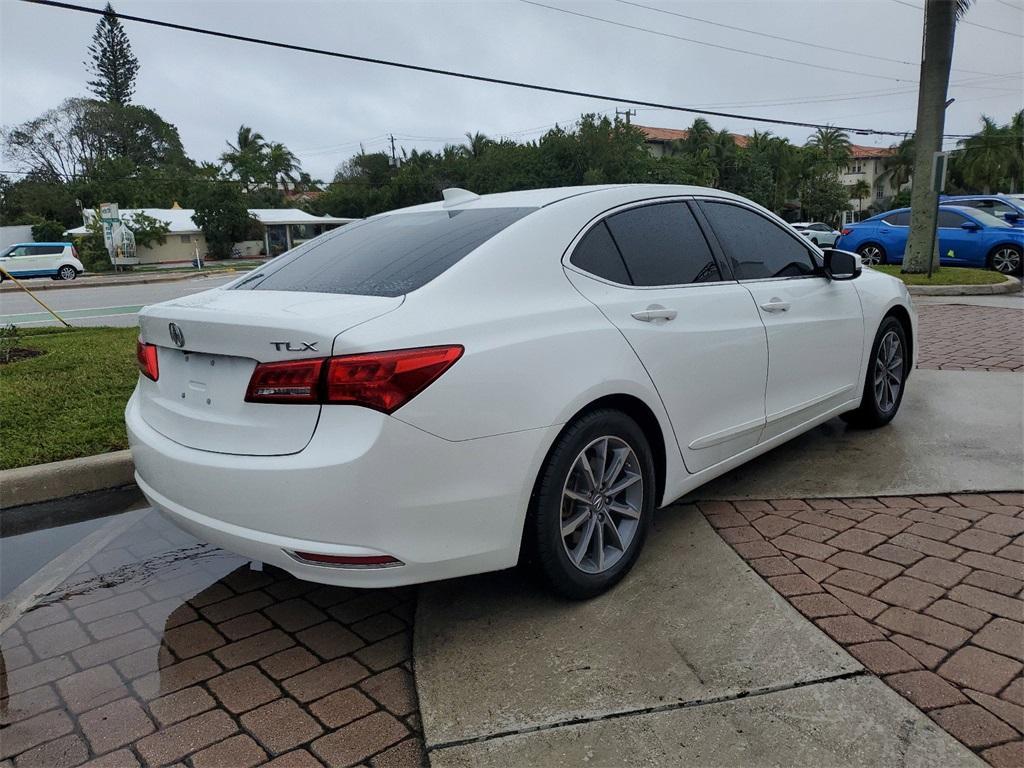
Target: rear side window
597 254
46 250
663 245
759 248
389 256
901 219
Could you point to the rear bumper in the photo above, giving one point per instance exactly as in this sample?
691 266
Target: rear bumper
367 484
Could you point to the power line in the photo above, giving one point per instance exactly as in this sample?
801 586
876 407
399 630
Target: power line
795 41
1011 5
768 56
469 76
964 21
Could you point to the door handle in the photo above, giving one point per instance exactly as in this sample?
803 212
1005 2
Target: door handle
775 304
654 313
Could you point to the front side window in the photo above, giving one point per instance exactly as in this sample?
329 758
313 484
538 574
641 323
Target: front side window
44 250
899 219
758 248
662 244
386 256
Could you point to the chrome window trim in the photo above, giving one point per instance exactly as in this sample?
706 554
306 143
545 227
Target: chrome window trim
608 212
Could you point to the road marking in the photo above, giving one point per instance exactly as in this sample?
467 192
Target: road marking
69 314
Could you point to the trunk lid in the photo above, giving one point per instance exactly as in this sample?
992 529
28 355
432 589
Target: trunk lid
206 361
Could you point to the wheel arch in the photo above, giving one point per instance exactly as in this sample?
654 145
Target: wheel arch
901 314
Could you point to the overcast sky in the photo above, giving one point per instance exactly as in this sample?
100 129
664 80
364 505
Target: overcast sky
322 108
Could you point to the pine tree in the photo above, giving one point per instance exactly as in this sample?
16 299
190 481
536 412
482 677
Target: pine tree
113 64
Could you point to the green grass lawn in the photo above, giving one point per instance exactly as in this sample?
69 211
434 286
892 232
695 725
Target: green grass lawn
945 276
69 401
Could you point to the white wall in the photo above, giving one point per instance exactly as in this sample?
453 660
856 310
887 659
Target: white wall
21 233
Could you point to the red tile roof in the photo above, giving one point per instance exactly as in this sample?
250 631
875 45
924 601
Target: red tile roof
660 135
674 134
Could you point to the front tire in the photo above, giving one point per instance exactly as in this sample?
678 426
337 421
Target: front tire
67 272
1006 260
871 254
592 505
886 377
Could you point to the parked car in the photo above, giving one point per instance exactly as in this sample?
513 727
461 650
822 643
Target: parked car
414 396
967 238
1010 208
820 234
56 260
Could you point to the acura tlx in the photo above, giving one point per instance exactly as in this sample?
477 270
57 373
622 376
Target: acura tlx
459 386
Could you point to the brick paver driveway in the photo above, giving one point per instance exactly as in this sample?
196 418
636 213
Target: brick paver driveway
163 650
926 592
962 337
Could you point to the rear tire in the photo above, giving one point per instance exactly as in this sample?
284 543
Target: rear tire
592 505
871 254
67 272
885 380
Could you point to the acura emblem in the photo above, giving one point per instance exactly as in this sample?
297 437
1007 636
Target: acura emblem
176 335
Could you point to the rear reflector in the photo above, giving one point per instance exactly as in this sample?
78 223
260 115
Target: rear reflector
368 561
384 381
296 381
146 355
846 231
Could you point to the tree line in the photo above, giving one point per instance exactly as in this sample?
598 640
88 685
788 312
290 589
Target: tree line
105 148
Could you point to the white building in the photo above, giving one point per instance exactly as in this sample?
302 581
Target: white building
868 164
281 228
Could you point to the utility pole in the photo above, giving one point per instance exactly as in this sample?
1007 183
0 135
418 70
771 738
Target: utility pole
627 113
394 158
936 57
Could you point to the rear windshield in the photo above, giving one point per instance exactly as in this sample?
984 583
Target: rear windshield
389 256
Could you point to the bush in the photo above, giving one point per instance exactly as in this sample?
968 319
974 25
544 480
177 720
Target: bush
48 231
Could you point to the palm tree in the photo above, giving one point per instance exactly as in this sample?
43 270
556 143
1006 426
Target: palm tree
832 146
900 165
988 156
475 144
246 159
698 136
940 18
283 165
859 190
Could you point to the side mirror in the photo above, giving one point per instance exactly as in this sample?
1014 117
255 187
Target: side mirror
1012 216
841 265
970 226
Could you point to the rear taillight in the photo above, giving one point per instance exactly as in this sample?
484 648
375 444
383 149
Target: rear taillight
296 381
384 381
74 251
846 231
146 355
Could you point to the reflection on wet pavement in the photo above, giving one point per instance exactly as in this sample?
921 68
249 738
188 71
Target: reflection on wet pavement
162 648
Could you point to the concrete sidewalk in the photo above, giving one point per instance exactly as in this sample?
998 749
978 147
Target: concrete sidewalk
693 659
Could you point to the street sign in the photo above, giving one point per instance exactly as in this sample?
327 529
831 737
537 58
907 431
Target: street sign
940 165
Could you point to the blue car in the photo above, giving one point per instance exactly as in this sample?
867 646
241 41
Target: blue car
967 238
1007 207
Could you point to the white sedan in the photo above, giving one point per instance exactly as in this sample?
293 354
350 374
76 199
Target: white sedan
818 233
448 389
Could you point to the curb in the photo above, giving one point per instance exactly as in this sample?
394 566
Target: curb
1009 285
60 479
99 282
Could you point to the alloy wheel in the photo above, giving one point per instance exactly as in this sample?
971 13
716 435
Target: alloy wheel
1006 261
870 255
67 273
602 501
888 372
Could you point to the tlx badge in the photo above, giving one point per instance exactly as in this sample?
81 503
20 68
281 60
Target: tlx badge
287 346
